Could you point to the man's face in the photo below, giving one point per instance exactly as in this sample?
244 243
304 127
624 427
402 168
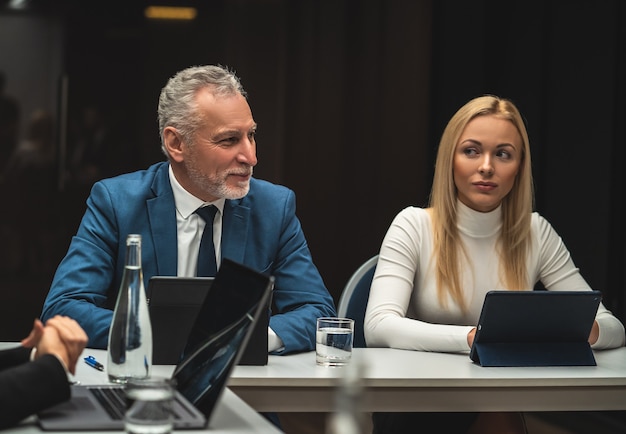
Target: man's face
219 162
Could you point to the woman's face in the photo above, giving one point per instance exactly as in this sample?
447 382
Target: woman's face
486 161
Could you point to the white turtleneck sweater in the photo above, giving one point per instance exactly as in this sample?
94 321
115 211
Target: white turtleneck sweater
403 309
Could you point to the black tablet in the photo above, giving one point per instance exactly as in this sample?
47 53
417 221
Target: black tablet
174 303
536 328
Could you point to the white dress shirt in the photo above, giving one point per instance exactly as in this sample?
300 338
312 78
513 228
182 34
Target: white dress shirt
189 227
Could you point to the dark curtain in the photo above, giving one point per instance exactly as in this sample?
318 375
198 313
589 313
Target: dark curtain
616 263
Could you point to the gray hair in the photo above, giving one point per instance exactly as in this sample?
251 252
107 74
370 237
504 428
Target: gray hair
177 104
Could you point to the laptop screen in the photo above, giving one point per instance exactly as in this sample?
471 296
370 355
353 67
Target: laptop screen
237 298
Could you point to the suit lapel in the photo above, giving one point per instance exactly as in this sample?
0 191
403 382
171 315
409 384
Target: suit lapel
235 230
162 220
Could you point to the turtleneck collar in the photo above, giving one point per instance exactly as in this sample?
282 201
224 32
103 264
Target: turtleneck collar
478 224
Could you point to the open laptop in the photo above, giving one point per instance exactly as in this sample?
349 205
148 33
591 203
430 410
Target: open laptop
175 303
536 328
202 374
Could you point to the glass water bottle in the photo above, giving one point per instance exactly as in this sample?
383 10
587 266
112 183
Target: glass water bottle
130 335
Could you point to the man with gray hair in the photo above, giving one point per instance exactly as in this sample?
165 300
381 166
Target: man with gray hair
208 136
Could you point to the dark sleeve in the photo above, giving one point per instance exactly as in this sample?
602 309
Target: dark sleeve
28 387
13 357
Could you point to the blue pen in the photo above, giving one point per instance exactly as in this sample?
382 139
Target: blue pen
91 361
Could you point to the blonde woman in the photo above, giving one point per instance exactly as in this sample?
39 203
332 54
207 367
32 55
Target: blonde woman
478 233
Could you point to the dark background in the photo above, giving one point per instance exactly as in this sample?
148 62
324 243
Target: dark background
350 97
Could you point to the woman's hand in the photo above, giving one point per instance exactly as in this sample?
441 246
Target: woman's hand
61 336
470 337
595 333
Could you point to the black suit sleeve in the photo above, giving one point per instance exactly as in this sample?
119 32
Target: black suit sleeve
28 387
13 357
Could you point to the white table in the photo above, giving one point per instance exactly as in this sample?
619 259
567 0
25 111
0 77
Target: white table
232 416
398 380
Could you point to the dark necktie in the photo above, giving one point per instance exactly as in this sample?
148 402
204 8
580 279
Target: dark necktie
207 266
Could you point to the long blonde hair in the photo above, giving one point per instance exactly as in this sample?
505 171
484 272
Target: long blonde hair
517 206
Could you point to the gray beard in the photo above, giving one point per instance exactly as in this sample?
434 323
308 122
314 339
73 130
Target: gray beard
216 186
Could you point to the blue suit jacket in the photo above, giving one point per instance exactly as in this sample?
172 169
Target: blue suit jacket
260 230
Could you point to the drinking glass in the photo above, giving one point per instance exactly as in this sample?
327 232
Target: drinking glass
150 406
334 338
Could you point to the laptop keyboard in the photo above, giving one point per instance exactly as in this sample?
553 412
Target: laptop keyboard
113 400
